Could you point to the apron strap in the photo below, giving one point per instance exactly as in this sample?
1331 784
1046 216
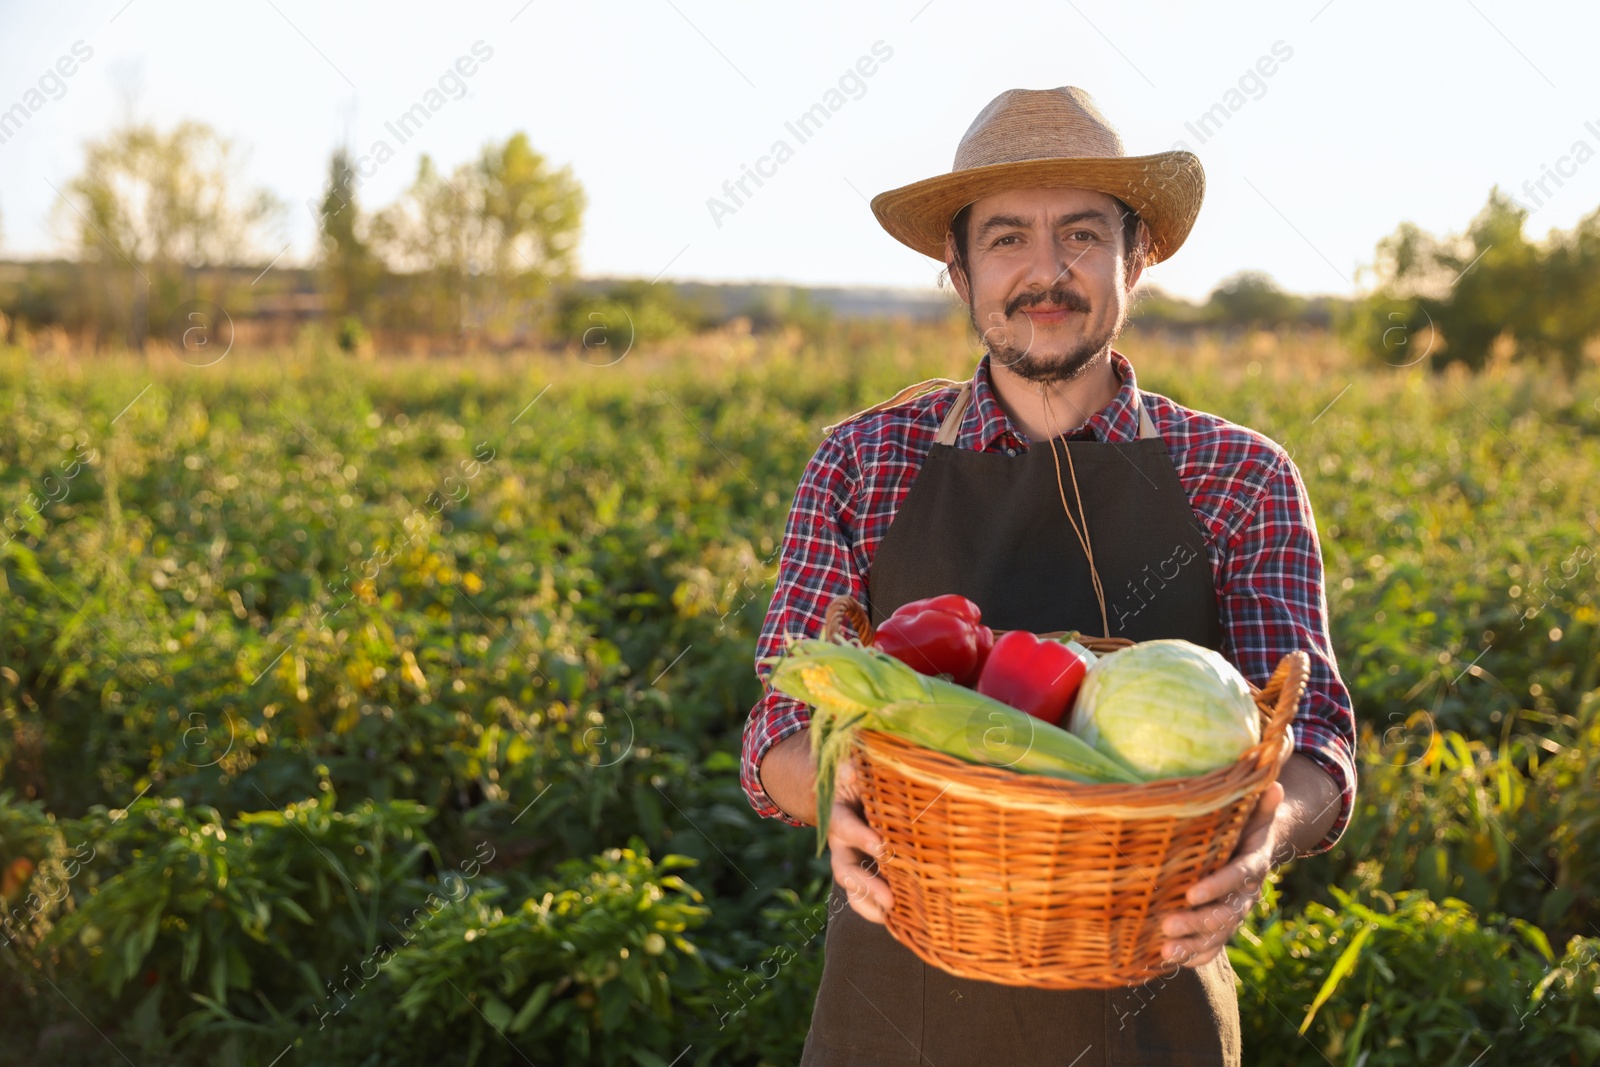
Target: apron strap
1146 427
910 392
952 419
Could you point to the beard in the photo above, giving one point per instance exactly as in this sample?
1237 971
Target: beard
1033 367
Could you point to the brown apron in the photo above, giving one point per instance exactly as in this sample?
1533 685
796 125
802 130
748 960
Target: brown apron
991 527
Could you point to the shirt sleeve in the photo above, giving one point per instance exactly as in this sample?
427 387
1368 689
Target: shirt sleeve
817 564
1272 602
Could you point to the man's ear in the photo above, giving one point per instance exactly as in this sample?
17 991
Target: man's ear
957 277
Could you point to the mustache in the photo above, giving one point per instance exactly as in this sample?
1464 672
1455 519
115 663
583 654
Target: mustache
1062 298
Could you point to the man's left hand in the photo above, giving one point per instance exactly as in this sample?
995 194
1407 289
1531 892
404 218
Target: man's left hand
1219 902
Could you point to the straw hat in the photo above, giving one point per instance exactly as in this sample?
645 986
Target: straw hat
1055 138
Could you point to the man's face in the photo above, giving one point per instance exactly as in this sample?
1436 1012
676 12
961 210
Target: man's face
1047 287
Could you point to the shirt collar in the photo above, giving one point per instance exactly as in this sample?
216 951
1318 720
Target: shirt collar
985 425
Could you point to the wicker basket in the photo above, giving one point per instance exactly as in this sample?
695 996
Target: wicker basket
1028 880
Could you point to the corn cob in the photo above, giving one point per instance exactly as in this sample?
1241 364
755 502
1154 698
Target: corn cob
852 687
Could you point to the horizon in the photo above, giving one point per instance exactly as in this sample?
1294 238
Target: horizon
1280 104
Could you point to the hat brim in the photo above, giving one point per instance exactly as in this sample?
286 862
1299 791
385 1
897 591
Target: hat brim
1165 189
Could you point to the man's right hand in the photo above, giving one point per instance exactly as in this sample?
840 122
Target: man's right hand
855 850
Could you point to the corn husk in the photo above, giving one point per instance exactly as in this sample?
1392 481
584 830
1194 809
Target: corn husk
852 687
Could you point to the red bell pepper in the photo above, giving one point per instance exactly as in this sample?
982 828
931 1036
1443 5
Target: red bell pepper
1037 675
938 635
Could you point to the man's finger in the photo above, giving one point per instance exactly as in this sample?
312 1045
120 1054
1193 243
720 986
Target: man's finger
1225 916
1266 807
869 894
1187 950
1201 958
856 849
845 777
1244 877
847 827
869 909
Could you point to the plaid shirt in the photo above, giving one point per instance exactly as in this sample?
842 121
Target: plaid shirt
1266 561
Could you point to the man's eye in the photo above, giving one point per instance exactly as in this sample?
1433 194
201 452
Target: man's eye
1090 234
1007 237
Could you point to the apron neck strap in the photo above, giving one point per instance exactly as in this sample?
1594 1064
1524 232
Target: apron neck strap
910 392
1147 428
952 419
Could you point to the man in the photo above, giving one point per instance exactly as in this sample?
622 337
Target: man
1191 527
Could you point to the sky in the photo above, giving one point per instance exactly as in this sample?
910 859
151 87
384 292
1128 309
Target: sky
1372 113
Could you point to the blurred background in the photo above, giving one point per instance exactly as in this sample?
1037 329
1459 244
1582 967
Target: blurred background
400 410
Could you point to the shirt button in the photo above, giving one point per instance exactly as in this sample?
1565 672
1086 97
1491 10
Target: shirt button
1011 451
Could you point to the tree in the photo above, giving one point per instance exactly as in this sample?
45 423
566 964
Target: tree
151 208
349 269
1474 288
423 234
1252 298
1572 280
492 237
534 214
1495 291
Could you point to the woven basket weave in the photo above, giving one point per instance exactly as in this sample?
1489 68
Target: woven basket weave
1028 880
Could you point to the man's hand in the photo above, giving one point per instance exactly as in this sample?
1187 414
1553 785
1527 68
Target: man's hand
855 849
1220 901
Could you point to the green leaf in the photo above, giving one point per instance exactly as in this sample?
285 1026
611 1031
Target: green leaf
498 1012
1346 963
1356 1058
219 975
191 954
1535 937
148 930
530 1010
290 905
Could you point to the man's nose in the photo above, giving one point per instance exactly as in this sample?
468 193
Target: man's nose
1052 262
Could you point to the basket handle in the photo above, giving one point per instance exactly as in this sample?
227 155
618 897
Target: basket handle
1284 690
846 609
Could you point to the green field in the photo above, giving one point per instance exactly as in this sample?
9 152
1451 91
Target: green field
388 712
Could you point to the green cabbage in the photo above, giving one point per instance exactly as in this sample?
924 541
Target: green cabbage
1166 709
